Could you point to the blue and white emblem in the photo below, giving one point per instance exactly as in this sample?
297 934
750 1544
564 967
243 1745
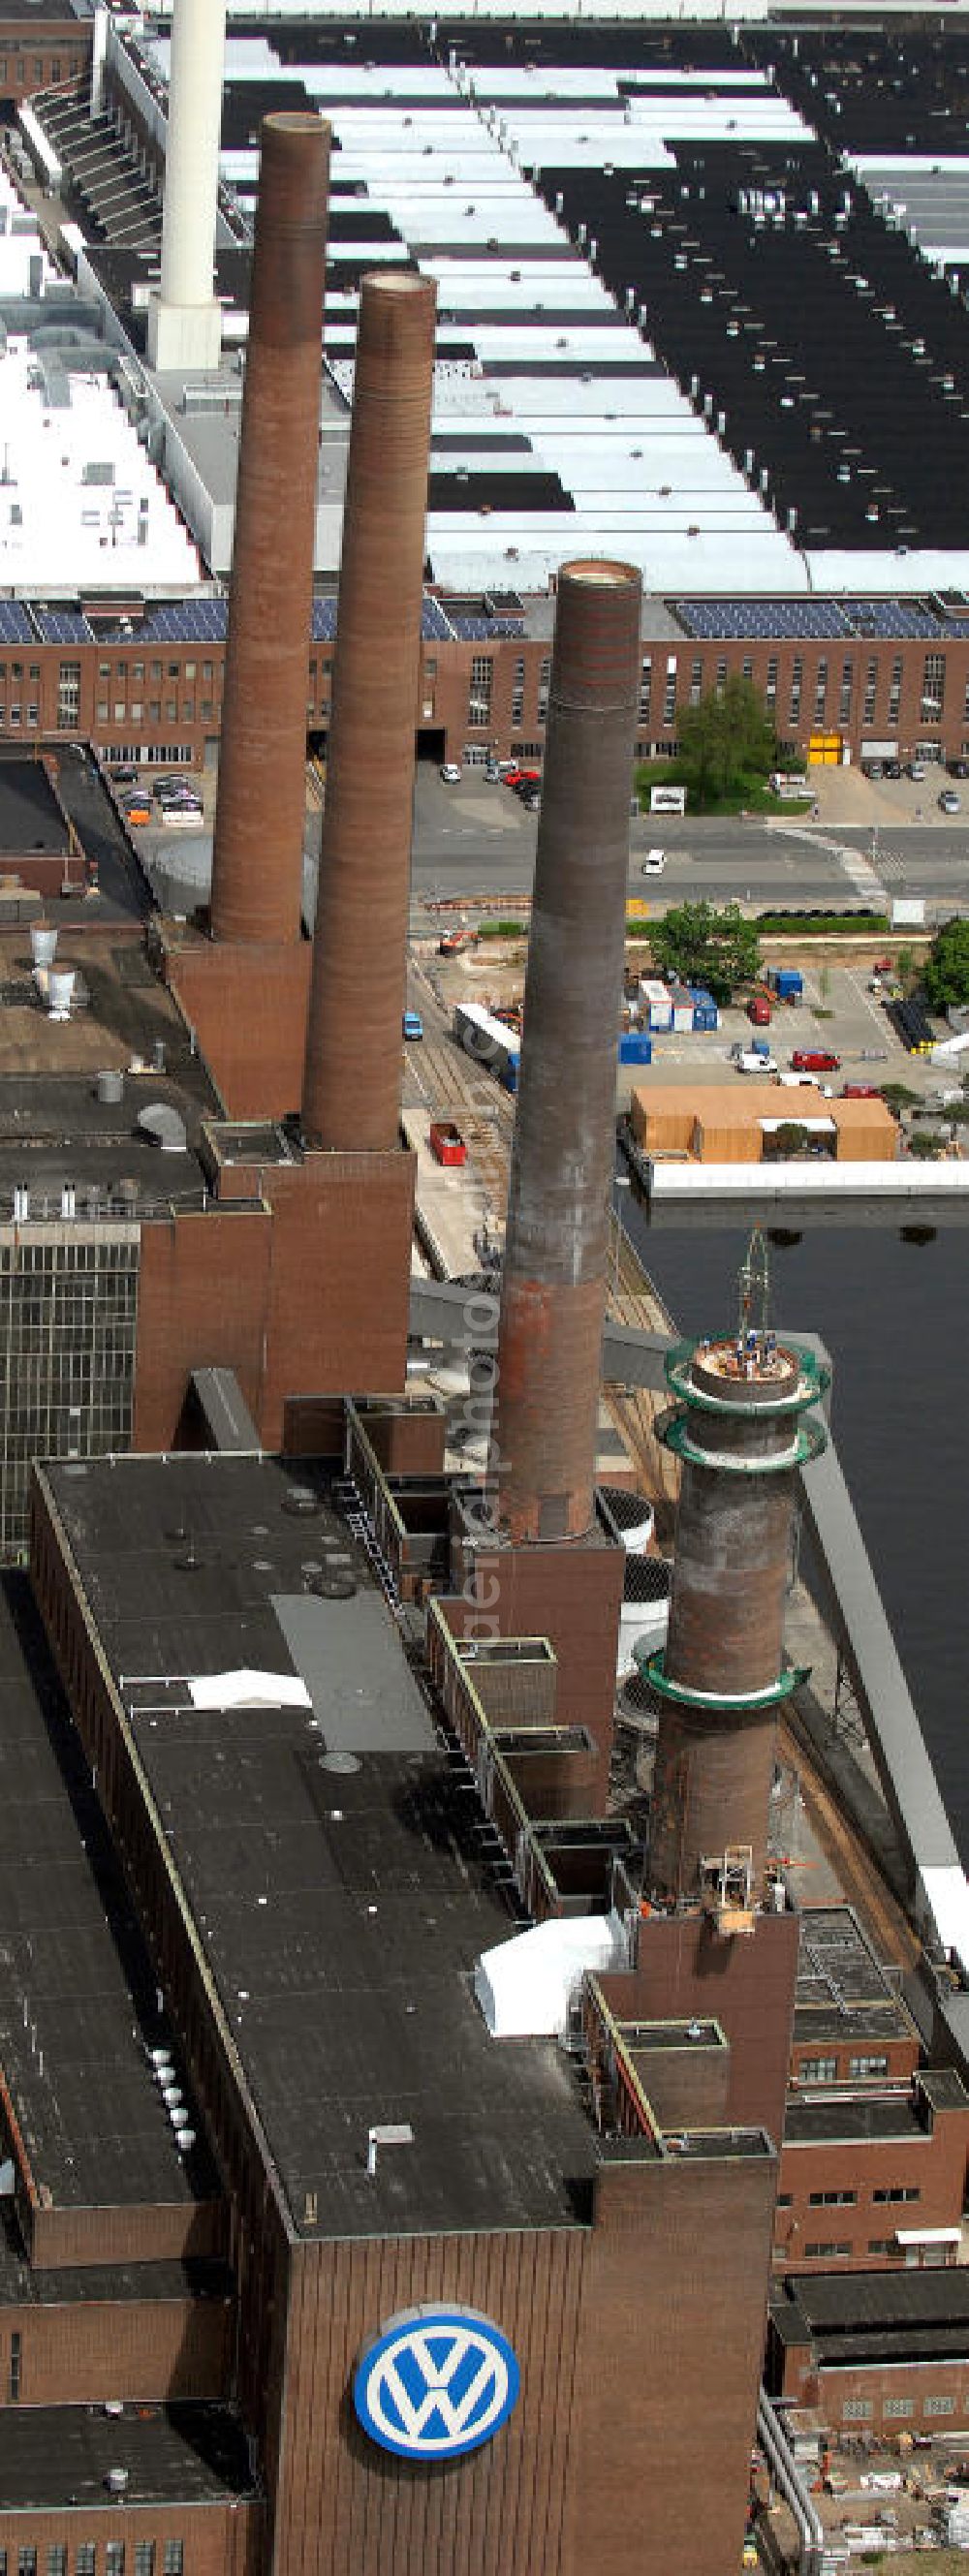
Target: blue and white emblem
436 2383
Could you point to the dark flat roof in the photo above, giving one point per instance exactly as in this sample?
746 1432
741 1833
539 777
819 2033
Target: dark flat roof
341 1910
61 2455
77 1994
30 818
888 2116
879 2022
79 2285
12 11
865 2314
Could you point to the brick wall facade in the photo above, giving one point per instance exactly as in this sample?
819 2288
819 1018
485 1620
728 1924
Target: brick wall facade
171 694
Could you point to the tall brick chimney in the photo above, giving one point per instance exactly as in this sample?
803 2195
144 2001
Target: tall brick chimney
257 867
556 1243
351 1092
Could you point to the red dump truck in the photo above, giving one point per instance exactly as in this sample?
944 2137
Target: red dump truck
447 1142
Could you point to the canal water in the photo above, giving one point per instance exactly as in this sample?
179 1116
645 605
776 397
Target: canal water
894 1317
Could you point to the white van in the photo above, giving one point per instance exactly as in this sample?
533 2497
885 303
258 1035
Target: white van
653 863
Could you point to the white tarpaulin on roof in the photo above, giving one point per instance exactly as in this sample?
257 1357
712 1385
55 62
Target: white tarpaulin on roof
525 1984
247 1689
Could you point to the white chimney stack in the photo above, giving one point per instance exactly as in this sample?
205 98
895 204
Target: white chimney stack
184 321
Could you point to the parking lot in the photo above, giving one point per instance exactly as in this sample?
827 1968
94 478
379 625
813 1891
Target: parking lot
852 1026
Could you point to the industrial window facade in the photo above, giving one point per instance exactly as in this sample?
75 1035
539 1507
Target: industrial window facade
844 700
895 690
86 2558
69 696
544 685
15 2341
696 683
482 681
871 692
518 693
68 1314
646 689
939 2406
770 692
820 691
818 2070
933 687
897 2408
833 2199
898 2191
826 2251
857 2410
797 684
174 2561
877 2065
669 694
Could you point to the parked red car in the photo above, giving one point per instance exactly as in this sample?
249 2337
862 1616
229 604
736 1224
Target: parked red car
815 1060
860 1091
759 1011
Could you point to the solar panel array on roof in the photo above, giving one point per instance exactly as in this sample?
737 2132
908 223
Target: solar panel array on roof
435 628
817 621
484 630
15 626
177 621
722 620
62 626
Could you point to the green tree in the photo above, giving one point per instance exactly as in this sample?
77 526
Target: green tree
725 742
945 974
926 1143
700 945
791 1139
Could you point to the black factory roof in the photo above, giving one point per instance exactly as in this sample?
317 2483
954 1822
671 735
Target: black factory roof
850 2317
53 2456
331 1856
829 2118
843 1995
82 2284
77 1997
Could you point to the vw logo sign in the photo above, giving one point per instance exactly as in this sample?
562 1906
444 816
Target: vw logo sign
436 2383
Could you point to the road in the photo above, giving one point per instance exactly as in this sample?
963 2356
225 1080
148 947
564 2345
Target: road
477 839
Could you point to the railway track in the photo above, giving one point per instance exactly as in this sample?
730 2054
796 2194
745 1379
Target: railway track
449 1086
882 1916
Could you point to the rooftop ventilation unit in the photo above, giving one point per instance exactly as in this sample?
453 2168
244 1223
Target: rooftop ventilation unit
60 988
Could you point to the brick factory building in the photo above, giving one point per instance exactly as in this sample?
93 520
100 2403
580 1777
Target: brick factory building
143 679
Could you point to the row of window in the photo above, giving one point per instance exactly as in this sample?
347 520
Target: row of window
37 70
861 2410
145 2558
481 692
848 2199
825 2070
830 2250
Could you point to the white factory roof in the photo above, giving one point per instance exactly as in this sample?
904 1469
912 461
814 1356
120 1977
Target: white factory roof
81 506
643 474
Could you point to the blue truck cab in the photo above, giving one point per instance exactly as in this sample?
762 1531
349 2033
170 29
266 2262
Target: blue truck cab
413 1024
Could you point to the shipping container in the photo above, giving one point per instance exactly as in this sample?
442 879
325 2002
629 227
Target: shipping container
447 1142
788 983
635 1048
